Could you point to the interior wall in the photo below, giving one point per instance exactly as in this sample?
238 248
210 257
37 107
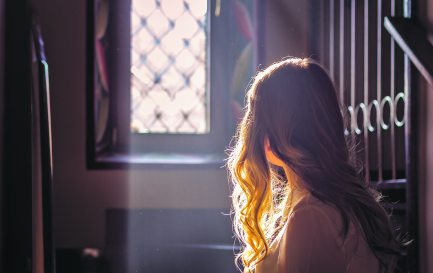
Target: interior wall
425 14
287 29
80 195
426 177
2 61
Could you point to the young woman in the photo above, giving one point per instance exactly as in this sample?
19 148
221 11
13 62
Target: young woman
300 204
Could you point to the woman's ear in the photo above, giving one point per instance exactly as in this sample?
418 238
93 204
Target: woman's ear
270 156
267 145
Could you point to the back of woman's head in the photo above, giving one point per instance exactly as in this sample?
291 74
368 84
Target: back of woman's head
294 105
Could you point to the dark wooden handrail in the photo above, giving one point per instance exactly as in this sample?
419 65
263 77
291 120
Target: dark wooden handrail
413 41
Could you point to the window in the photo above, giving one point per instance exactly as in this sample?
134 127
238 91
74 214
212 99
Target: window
168 67
166 79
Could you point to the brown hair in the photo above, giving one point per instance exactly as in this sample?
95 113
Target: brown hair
294 104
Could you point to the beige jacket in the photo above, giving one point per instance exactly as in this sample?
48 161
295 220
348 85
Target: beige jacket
311 242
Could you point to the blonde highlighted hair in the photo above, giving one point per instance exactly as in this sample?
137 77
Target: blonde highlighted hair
294 104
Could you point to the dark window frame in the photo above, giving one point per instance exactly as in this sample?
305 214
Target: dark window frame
122 149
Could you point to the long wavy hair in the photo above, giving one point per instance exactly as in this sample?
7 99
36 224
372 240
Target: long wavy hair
294 104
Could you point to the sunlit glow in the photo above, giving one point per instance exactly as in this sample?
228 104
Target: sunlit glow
168 66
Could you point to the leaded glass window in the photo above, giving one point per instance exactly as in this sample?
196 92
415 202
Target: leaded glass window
169 91
167 77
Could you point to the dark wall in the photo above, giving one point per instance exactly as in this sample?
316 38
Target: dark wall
17 162
2 23
424 13
82 196
286 29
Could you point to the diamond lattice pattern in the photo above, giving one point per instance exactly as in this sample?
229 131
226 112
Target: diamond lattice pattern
168 66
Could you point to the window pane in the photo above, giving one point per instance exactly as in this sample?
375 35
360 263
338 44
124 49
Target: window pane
168 66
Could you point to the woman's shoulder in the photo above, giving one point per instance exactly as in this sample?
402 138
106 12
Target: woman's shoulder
318 217
311 204
311 239
314 237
